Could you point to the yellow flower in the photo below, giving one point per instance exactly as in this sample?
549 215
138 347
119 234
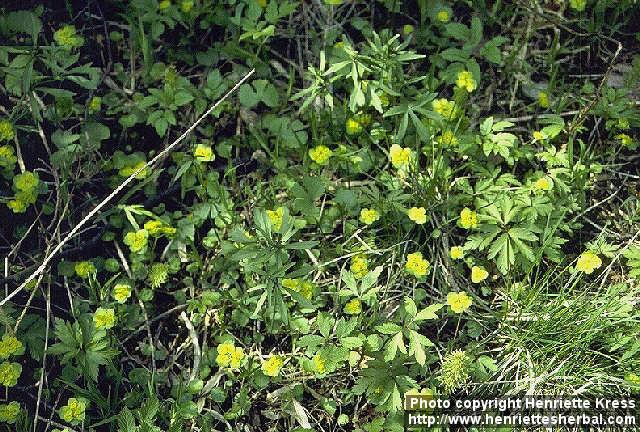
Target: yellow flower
468 218
306 289
226 351
262 3
6 130
8 158
418 215
271 367
9 412
26 182
465 80
353 307
9 373
73 411
578 5
9 345
156 228
543 99
359 266
456 252
164 4
445 108
186 6
588 262
543 184
353 127
319 364
66 36
369 216
443 16
459 301
478 274
275 216
104 318
236 358
95 104
204 153
121 292
407 29
17 206
539 136
84 269
632 378
417 265
136 240
320 154
128 170
292 284
624 139
400 157
447 138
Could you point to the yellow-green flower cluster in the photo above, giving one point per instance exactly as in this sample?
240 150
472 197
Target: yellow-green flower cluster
319 364
121 292
578 5
443 16
588 262
9 412
104 318
137 240
400 157
275 216
624 139
543 184
186 6
204 153
9 373
304 287
6 130
353 307
543 99
369 216
353 126
468 218
164 4
454 372
8 157
456 252
229 355
84 269
478 274
156 228
459 301
445 108
465 81
126 171
66 36
26 187
320 154
9 345
74 411
95 104
418 215
359 266
272 366
447 138
417 265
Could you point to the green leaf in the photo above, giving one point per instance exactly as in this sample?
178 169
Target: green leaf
388 328
429 313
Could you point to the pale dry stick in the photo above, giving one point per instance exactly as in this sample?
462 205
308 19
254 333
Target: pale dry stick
117 190
196 346
44 358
